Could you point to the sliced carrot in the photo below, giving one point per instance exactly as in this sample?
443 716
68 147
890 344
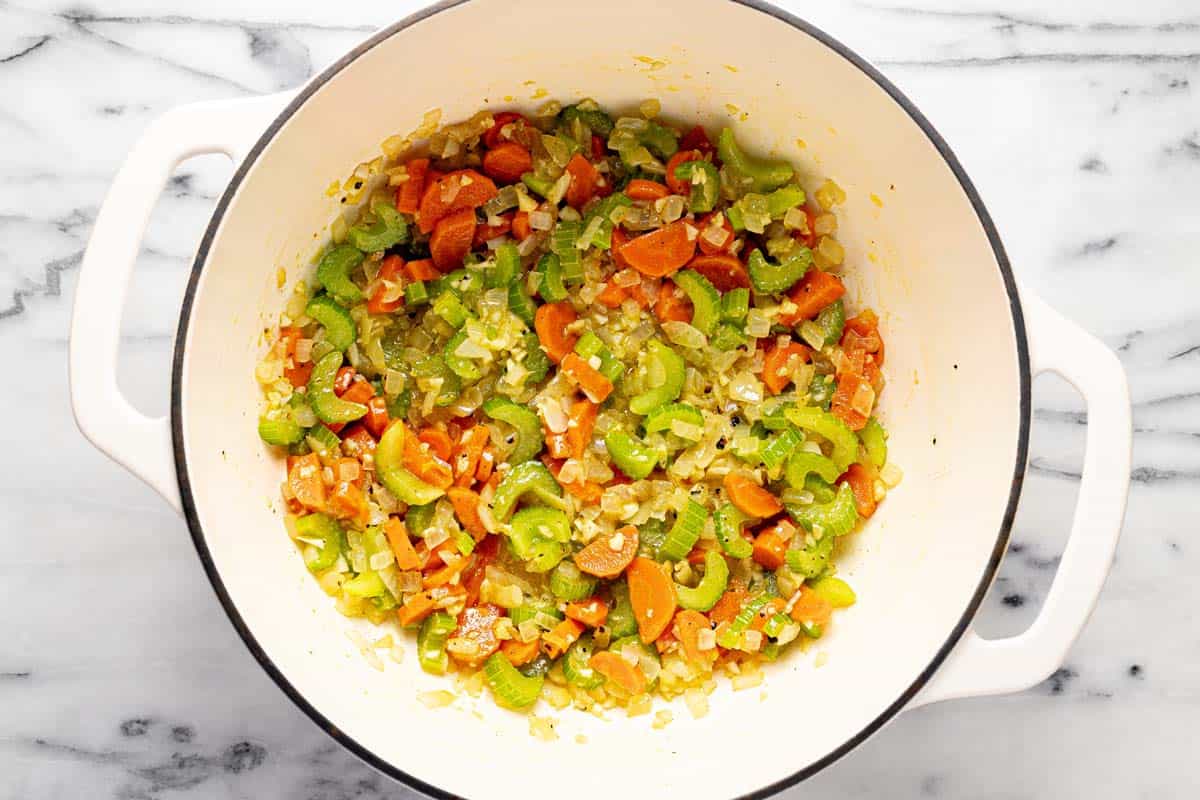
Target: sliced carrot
520 653
306 483
551 321
467 453
862 482
848 385
285 346
770 546
591 612
495 135
661 252
677 185
439 442
590 380
619 239
461 190
615 668
777 365
812 293
447 573
485 233
377 418
587 491
672 305
723 272
520 226
556 641
688 625
360 391
581 422
343 380
422 270
730 603
452 238
344 467
390 269
424 464
712 248
583 181
402 548
466 508
347 501
357 440
612 295
408 195
557 445
476 626
608 555
416 608
751 498
299 374
642 189
652 595
812 607
507 162
666 640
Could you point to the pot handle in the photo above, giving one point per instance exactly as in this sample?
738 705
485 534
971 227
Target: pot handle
979 666
140 443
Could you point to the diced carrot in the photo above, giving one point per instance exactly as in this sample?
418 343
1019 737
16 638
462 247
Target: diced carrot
507 162
772 607
416 608
642 189
615 668
589 379
467 453
557 445
652 595
439 442
485 233
452 238
723 272
408 195
343 380
447 573
812 293
581 421
591 612
551 321
713 248
688 625
619 239
672 304
299 374
487 463
402 548
520 226
472 577
583 181
677 185
520 653
494 136
661 252
359 391
608 555
751 498
306 483
697 139
777 365
556 641
421 270
466 508
390 269
376 419
587 491
848 385
422 462
476 626
285 346
357 440
612 295
730 603
862 483
812 607
770 546
461 190
666 640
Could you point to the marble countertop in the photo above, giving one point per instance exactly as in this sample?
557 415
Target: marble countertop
121 677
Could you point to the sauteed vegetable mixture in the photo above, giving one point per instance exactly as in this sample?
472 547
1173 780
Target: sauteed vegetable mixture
580 401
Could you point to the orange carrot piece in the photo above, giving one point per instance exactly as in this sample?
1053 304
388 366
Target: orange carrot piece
751 498
423 463
812 293
612 295
583 181
343 380
477 625
299 374
591 612
415 609
661 252
447 573
721 245
770 546
360 391
608 556
642 189
724 272
466 508
306 483
772 607
862 482
467 453
461 190
688 625
615 668
402 548
551 321
589 379
408 195
556 641
390 269
652 595
520 653
777 373
421 270
581 422
730 603
376 420
439 442
812 607
485 233
677 185
487 463
672 304
848 385
507 162
451 240
347 501
520 226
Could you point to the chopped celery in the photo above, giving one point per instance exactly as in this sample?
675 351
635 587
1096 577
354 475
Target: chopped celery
706 301
433 367
776 451
670 365
689 524
823 423
451 309
416 293
531 477
802 462
835 590
874 439
418 518
661 419
771 278
602 236
536 362
634 458
324 442
835 518
280 432
550 287
340 330
706 593
706 185
333 272
388 230
599 122
735 304
810 561
510 687
506 268
784 198
389 466
659 140
521 304
531 609
464 368
327 405
763 175
431 642
832 321
526 423
365 584
820 391
326 535
567 582
575 665
562 244
731 637
621 621
727 337
589 345
651 534
538 536
728 525
538 185
821 489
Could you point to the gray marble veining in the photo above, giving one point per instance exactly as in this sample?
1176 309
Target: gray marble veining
120 676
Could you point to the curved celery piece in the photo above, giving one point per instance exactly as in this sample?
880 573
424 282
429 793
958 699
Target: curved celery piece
651 534
539 186
820 391
632 457
597 121
327 405
323 533
334 270
779 449
704 194
521 304
660 419
536 362
464 368
388 230
431 642
435 367
532 477
811 561
731 637
567 582
391 471
450 308
764 175
735 304
728 524
835 518
832 321
576 668
528 427
621 621
769 278
324 442
706 300
706 593
823 423
727 337
784 198
802 463
531 608
673 369
562 244
538 536
874 439
682 537
836 591
822 490
365 584
510 687
659 140
280 432
340 330
506 268
550 287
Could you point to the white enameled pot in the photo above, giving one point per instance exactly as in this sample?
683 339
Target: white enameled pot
963 345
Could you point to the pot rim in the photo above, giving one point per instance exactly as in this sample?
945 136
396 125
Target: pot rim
984 218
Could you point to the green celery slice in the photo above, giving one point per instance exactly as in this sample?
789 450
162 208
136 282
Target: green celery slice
325 402
706 593
684 534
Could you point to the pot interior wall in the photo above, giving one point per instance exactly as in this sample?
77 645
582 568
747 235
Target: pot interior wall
916 251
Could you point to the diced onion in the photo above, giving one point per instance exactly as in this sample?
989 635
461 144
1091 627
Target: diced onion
541 220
